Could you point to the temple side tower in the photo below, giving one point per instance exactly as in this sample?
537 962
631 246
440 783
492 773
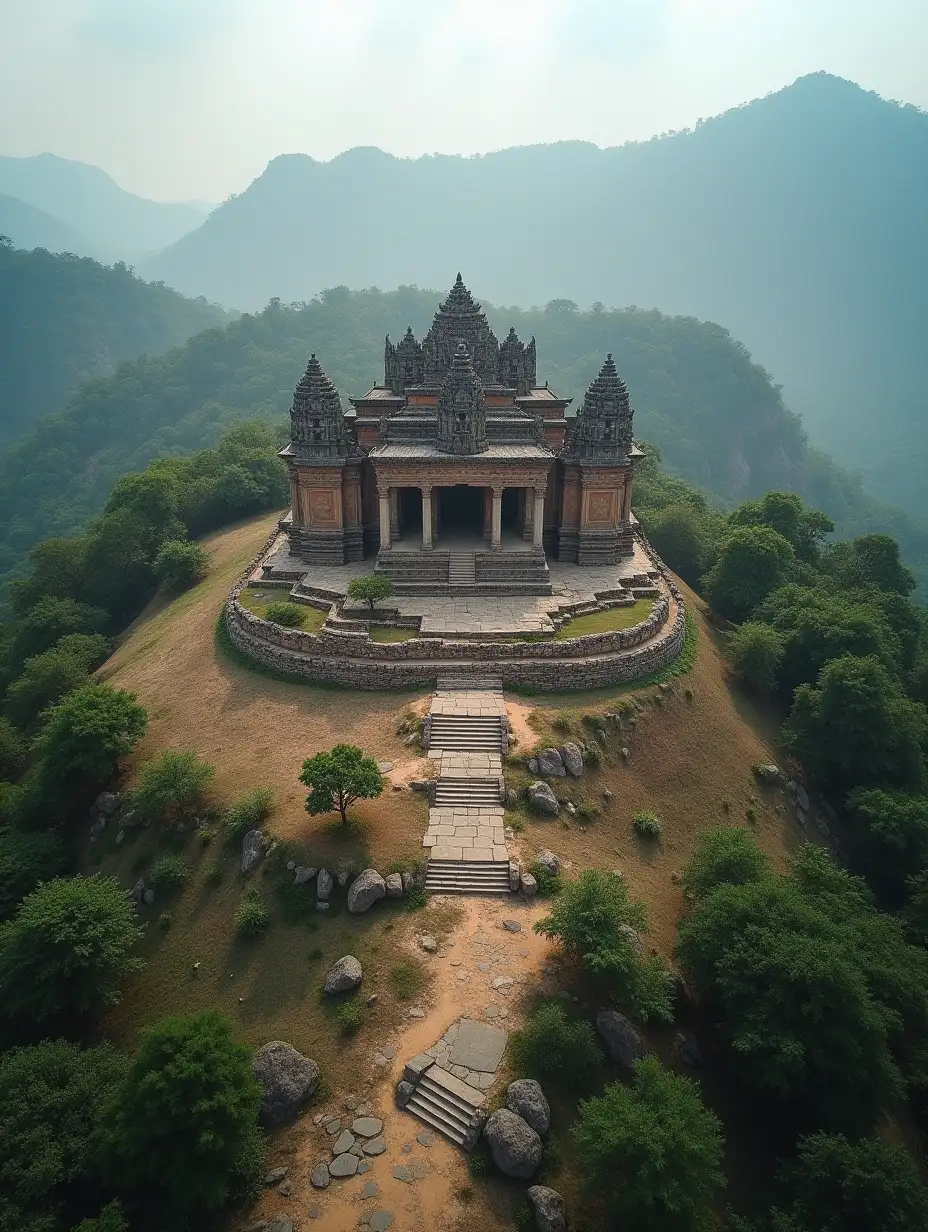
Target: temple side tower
462 408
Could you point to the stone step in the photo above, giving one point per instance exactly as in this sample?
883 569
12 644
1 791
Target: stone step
423 1111
467 876
444 1102
469 684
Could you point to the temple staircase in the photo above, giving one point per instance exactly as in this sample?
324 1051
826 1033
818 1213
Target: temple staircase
462 569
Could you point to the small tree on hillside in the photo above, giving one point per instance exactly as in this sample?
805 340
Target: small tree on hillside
725 855
755 651
754 561
173 785
184 1129
651 1151
370 589
86 734
180 564
337 778
66 951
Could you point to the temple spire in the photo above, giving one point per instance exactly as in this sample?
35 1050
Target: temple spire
462 412
318 431
602 432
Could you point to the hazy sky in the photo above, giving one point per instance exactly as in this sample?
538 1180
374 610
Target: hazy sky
183 99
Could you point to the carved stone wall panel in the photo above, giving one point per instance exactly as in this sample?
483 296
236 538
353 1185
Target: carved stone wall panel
600 507
324 507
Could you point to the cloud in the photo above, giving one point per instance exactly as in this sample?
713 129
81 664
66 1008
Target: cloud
156 27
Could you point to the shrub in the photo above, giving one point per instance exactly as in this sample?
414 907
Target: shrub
46 978
593 755
339 777
648 824
652 1151
416 898
48 677
13 750
350 1016
407 979
566 721
480 1161
110 1219
180 564
370 589
587 811
26 858
173 785
556 1048
755 651
86 734
549 883
249 812
754 561
169 872
290 615
725 855
252 916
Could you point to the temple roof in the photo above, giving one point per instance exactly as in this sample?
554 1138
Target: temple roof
318 431
602 430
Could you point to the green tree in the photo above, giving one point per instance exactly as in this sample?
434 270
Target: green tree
183 1129
755 651
597 924
52 1102
110 1219
180 564
12 750
26 858
47 622
48 677
57 572
869 560
555 1048
855 728
837 1185
725 855
797 1012
66 951
370 589
339 777
754 561
651 1152
172 786
889 834
87 733
916 910
680 535
784 512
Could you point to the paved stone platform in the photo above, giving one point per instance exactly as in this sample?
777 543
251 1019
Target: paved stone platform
477 1046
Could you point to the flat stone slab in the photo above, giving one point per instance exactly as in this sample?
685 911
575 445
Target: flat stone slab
478 1046
366 1127
380 1221
344 1165
457 1087
375 1146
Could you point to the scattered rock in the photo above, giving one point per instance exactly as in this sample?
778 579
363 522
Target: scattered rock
502 982
394 885
291 865
106 803
131 818
366 1126
376 1146
624 753
380 1221
768 773
551 764
332 1127
260 1226
533 765
512 926
365 890
364 1165
253 847
407 882
343 975
550 1211
512 796
607 795
570 809
280 1223
402 1173
344 1142
419 784
137 893
515 876
543 799
370 1190
526 1099
322 906
428 943
287 1079
372 999
343 1165
275 1176
404 1093
148 896
623 1043
425 1137
687 1049
385 766
302 874
285 1189
528 885
573 759
802 797
514 1145
416 1012
324 885
549 862
342 877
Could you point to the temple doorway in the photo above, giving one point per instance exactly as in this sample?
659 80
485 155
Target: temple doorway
461 511
409 511
511 511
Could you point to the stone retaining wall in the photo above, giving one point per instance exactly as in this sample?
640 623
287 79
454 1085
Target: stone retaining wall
350 658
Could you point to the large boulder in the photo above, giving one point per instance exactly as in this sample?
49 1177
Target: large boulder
514 1145
526 1099
364 891
528 885
551 764
324 885
550 1212
549 862
394 884
107 803
253 847
623 1043
287 1081
573 759
542 799
343 975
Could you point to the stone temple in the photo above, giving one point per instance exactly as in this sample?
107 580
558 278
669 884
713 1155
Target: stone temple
461 470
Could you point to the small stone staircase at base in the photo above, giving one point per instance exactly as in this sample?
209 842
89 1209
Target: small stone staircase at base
444 1109
462 569
467 793
469 732
467 877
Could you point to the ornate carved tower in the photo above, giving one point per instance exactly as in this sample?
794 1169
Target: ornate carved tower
462 410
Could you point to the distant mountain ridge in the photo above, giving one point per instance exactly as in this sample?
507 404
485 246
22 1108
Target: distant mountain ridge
796 221
106 222
29 227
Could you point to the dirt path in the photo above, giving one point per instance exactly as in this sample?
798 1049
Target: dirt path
472 955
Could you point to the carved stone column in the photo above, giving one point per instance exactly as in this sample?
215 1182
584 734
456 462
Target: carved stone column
496 520
427 519
395 528
538 519
384 498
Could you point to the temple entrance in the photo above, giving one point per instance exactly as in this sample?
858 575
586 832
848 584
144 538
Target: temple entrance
461 512
409 511
511 512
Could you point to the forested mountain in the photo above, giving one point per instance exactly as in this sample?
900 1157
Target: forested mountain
796 221
712 412
64 319
29 227
109 223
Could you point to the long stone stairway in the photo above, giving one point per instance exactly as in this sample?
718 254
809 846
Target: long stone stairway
462 568
468 733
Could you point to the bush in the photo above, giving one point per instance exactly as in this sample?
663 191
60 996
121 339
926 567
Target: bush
110 1219
593 755
587 811
86 734
553 1047
48 677
416 898
252 916
339 777
549 883
652 1152
13 750
726 855
648 824
180 564
754 561
350 1016
184 1128
26 858
370 589
47 979
755 651
169 872
249 812
290 615
407 979
172 786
